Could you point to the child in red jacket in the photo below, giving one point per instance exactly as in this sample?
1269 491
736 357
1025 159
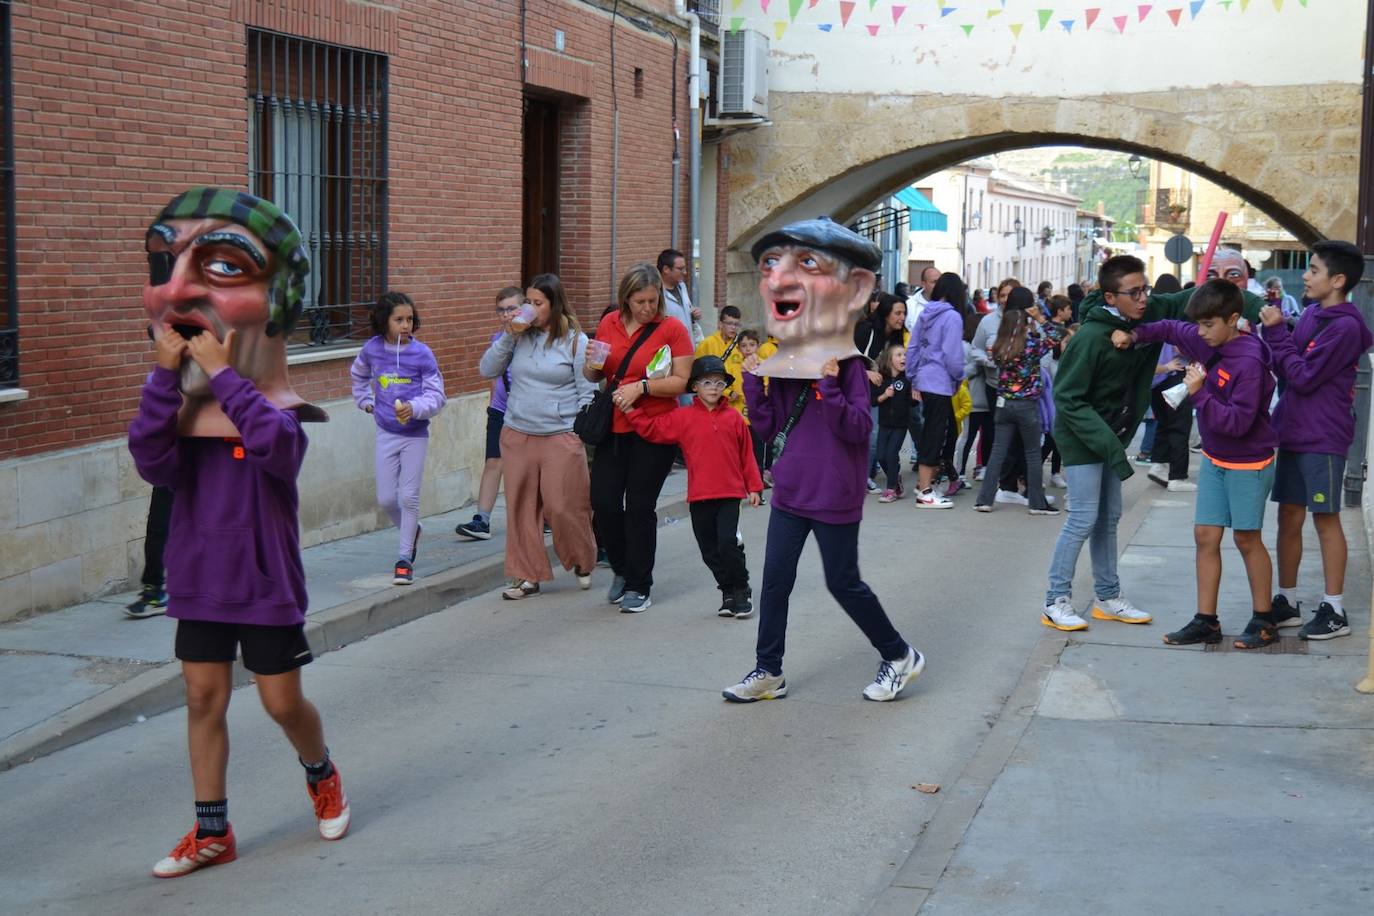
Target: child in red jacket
721 471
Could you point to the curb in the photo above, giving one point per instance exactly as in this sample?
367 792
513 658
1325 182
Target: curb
160 689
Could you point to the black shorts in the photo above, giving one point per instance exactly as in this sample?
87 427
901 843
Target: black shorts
495 420
937 412
266 650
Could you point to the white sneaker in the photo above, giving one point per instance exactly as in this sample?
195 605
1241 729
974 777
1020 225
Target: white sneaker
1016 499
1059 482
978 473
893 676
873 487
584 579
1062 616
1159 473
1182 486
1120 610
757 685
929 499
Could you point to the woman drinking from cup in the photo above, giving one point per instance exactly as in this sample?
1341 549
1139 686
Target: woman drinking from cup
544 462
627 471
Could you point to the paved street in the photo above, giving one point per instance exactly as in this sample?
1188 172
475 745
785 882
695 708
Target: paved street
555 756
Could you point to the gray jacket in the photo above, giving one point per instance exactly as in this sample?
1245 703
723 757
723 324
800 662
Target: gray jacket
547 386
983 339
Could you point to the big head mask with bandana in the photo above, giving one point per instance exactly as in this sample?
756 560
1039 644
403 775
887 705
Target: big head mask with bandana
221 260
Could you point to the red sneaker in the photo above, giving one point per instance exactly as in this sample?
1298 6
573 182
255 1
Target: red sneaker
191 853
331 806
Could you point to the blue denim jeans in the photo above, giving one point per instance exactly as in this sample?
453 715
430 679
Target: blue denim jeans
1094 510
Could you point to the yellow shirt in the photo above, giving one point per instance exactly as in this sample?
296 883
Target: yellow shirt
715 345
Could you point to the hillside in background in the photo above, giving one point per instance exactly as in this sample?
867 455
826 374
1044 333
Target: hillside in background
1093 175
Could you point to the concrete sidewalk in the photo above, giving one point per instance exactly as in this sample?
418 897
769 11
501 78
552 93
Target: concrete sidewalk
1128 777
69 675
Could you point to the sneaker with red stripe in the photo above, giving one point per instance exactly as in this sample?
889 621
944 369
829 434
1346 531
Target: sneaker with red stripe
331 806
191 854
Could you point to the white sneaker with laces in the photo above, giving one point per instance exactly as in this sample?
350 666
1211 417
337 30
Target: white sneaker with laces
1059 482
929 499
757 685
1159 473
1016 499
1182 486
1120 610
894 676
1062 616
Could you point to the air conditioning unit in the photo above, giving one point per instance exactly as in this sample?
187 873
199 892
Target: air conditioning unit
744 75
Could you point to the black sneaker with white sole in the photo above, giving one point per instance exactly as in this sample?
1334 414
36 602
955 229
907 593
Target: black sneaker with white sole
1285 615
744 604
1201 629
1325 624
727 605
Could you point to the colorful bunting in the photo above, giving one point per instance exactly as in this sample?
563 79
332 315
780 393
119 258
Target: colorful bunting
1143 10
992 13
846 10
825 26
1044 17
872 30
1120 23
1227 4
1278 5
1174 14
1090 16
793 8
1015 30
871 4
946 10
1067 24
778 28
1196 7
763 4
897 11
736 23
811 5
968 30
1244 4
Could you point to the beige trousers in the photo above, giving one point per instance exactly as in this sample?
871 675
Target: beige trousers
546 480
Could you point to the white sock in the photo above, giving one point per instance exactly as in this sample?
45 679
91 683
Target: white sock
1290 593
1335 602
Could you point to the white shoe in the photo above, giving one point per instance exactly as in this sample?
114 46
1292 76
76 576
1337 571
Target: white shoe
1159 473
978 473
757 685
893 676
1016 499
1058 482
929 499
584 579
1120 610
1182 486
739 538
1062 616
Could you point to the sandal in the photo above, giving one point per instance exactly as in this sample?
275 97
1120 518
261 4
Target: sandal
521 588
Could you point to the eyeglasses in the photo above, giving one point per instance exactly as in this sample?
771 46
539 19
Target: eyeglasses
717 383
508 310
1140 292
729 324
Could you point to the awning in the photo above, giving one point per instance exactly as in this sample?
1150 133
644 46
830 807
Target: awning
925 216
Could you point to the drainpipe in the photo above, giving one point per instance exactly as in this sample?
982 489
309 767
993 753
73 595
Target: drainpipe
675 204
693 148
1364 298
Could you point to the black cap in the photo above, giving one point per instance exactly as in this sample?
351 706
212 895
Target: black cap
823 234
703 366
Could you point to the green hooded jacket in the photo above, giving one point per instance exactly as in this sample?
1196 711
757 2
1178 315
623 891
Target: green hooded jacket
1097 382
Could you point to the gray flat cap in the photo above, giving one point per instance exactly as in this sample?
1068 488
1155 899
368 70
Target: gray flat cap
823 234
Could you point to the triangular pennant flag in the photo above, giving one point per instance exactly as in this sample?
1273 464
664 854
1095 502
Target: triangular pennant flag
1090 16
1067 24
1015 30
1278 6
736 23
1302 3
968 30
873 30
778 28
1174 14
871 4
1196 7
811 4
946 10
734 4
793 8
1044 17
1120 23
846 10
897 11
763 4
1227 4
1143 10
992 13
825 26
1244 4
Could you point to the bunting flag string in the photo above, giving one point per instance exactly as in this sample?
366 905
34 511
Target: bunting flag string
1090 16
1173 16
1120 24
1015 30
1044 17
1144 10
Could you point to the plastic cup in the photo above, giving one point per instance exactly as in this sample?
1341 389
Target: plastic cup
1174 396
522 319
597 351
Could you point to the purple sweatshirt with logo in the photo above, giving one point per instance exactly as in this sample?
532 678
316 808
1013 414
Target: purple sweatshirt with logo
1317 363
1233 403
935 355
384 373
233 550
823 470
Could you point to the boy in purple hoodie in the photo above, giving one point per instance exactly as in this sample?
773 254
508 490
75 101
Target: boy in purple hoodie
1316 424
1230 384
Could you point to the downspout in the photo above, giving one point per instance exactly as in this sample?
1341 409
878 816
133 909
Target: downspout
675 204
615 156
693 149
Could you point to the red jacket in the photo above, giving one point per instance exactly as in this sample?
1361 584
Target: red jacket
715 445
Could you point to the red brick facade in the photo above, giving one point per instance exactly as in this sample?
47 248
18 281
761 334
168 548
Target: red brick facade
121 107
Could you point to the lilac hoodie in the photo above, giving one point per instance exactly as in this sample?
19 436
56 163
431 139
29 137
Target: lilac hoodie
1233 404
384 374
822 472
1316 409
935 355
233 549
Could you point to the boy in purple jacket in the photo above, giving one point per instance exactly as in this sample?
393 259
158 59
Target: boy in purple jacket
1230 389
220 427
1316 424
813 273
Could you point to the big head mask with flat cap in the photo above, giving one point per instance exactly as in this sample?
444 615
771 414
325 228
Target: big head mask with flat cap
221 260
814 275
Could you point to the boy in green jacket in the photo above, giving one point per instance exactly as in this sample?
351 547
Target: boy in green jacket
1100 394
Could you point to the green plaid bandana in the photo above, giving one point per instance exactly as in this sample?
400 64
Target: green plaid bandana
270 224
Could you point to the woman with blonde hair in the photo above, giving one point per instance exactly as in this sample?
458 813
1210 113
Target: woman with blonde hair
628 471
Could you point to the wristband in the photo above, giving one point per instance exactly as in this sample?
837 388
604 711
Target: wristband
644 385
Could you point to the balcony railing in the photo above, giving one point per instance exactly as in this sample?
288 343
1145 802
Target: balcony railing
873 225
1168 207
708 11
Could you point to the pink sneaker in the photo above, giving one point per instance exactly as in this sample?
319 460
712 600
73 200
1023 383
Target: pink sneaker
889 496
955 485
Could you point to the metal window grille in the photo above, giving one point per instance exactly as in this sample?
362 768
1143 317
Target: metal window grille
9 331
317 142
708 11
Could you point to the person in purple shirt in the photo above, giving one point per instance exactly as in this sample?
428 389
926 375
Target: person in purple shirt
508 302
935 365
225 287
817 272
1317 361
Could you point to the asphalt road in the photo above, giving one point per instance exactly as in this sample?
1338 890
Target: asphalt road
556 756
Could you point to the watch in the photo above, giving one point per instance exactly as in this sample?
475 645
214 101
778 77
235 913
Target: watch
644 385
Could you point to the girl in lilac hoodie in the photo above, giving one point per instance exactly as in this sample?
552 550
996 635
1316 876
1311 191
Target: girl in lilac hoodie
935 365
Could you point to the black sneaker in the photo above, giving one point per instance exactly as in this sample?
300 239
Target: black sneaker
727 604
151 602
475 530
1325 624
744 604
1199 629
1259 633
1284 614
402 574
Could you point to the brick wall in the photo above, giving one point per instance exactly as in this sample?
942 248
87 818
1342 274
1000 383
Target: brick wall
117 112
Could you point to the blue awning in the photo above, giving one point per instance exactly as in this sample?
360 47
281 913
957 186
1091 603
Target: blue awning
925 216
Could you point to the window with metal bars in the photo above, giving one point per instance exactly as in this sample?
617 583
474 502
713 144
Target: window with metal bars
9 293
317 141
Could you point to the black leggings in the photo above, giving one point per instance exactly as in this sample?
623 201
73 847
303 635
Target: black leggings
627 476
978 421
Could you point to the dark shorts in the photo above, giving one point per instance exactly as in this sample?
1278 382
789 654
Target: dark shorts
266 650
495 420
937 411
1309 479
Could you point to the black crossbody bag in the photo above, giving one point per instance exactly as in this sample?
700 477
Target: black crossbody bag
593 422
780 440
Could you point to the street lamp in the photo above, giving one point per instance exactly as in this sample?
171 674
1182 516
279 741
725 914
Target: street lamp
1134 163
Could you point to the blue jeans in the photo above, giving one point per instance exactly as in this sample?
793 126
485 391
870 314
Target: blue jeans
1094 510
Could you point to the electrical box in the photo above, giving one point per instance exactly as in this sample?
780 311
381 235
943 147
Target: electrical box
743 75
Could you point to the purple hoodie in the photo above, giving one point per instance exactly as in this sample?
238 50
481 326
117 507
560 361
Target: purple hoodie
384 373
935 356
1316 409
1233 404
233 549
822 472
